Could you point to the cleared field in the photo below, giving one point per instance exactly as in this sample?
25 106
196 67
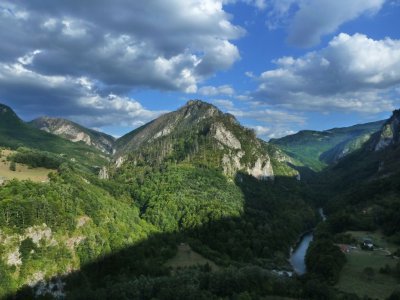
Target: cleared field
354 278
186 257
22 172
377 237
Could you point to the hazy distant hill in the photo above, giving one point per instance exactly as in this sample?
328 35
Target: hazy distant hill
317 149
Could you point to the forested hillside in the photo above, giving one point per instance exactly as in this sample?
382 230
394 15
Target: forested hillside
15 133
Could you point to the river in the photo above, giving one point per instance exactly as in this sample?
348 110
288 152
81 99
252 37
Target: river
298 257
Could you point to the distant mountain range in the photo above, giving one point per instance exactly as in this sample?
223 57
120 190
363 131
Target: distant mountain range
197 131
202 124
318 149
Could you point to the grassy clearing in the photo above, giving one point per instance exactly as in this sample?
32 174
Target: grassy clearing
377 237
186 257
22 172
354 279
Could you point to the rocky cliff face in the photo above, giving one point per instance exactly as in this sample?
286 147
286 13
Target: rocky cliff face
75 133
390 133
232 160
199 132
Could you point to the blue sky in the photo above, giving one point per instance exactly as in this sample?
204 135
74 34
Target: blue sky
279 66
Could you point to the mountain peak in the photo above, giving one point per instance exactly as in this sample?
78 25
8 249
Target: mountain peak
199 108
198 102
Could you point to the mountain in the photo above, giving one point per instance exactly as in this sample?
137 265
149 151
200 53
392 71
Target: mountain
317 149
16 133
200 133
75 133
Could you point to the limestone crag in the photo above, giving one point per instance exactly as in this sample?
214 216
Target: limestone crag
75 133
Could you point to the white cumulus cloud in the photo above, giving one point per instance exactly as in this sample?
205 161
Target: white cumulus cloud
308 20
353 73
216 90
316 18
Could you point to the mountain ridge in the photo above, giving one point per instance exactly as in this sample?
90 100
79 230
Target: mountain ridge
75 132
318 149
15 133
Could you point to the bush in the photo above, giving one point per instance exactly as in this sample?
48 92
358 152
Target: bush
13 166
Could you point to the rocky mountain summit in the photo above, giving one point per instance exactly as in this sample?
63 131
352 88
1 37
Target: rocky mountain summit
200 132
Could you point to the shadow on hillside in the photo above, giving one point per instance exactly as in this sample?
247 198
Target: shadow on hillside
245 247
307 174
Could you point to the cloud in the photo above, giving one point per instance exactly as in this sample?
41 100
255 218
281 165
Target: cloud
267 133
316 18
279 12
353 73
226 104
166 45
216 90
309 20
269 116
259 4
74 98
271 123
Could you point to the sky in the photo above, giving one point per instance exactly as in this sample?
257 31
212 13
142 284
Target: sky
279 66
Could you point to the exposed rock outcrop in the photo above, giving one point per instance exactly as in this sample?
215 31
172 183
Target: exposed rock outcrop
103 174
262 168
390 133
75 133
226 137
